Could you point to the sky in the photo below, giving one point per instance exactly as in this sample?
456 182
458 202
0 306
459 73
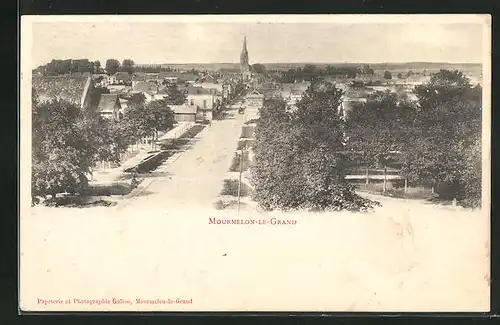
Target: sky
216 42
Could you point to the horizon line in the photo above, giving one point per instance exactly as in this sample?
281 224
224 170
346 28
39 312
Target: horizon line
313 62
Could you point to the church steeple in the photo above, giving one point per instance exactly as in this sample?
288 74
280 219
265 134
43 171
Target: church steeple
244 65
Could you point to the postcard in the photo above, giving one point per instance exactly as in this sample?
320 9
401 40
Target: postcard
255 163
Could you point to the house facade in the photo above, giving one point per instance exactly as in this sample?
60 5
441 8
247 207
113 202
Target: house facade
227 90
254 98
203 99
184 113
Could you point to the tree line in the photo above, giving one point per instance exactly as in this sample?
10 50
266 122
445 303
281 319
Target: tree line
111 66
301 155
311 72
68 142
61 67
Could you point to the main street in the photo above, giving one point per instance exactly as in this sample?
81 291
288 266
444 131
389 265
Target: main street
195 176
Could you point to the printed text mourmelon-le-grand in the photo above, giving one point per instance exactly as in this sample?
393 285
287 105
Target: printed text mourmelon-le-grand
271 221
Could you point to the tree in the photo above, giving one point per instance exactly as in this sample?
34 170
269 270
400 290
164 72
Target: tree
159 117
95 95
258 68
61 155
175 96
127 66
378 127
97 66
400 76
135 118
112 66
449 126
298 160
387 75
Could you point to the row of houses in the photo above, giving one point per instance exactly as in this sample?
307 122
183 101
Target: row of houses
293 92
202 98
290 92
124 78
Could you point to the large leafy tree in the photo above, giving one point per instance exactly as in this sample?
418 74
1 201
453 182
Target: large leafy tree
449 121
61 155
298 160
67 144
159 117
135 118
258 68
112 66
128 66
379 127
175 96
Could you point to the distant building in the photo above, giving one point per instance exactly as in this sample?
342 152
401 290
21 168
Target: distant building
188 78
170 76
100 80
254 98
207 85
120 78
149 89
161 94
207 78
227 90
110 107
138 77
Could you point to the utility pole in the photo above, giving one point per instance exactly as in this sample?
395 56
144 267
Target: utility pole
385 179
239 181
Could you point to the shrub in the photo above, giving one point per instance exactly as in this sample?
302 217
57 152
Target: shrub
247 142
231 188
252 121
247 131
471 176
235 164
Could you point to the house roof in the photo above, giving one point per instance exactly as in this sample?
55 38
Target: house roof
298 87
163 91
169 74
209 85
197 91
125 76
107 102
214 91
184 109
254 94
72 89
207 78
147 87
99 75
140 77
188 77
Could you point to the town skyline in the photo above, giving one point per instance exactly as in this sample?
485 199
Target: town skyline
220 43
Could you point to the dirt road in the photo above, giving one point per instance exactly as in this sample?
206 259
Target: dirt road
195 177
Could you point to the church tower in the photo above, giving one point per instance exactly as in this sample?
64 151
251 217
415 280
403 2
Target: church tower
244 66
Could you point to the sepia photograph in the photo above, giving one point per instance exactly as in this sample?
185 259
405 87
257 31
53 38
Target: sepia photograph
255 163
